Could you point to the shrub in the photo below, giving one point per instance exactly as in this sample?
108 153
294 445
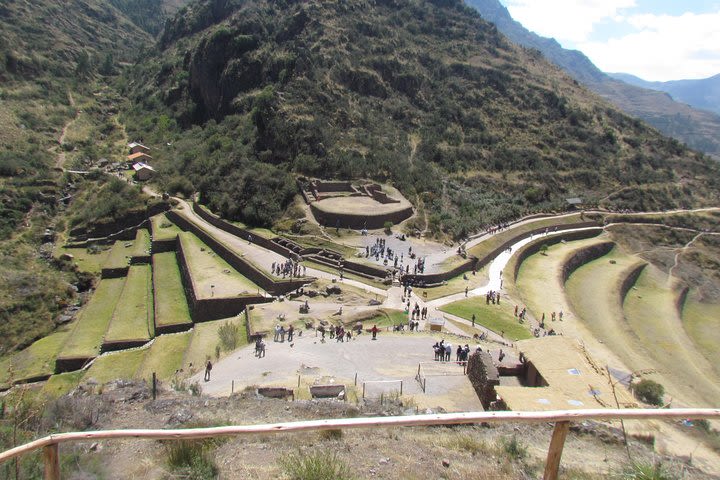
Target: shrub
388 227
190 459
650 392
514 448
315 466
229 334
647 471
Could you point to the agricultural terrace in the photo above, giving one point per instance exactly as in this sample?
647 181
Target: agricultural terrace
601 311
114 365
171 305
141 245
498 318
205 339
165 356
87 259
211 275
700 322
162 228
488 245
93 321
133 313
38 360
651 312
119 255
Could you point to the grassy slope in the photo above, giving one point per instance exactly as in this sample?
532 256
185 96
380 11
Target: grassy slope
61 384
115 365
486 246
498 318
207 268
594 293
141 245
165 356
119 254
162 228
86 261
93 321
132 314
701 324
36 360
172 306
651 313
204 340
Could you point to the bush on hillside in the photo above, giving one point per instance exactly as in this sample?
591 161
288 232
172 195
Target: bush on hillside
650 392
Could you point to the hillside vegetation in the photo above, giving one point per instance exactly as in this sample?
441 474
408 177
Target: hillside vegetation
698 128
426 94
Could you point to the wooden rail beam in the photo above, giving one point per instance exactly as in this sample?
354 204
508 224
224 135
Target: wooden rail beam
369 422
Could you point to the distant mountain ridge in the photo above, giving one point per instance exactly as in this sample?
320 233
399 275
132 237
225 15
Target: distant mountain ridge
703 93
699 129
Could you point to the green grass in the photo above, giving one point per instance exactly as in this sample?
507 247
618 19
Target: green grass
208 269
483 248
455 285
496 318
36 360
165 356
123 364
204 340
141 245
118 255
85 261
162 228
172 306
387 318
701 321
61 384
132 314
94 319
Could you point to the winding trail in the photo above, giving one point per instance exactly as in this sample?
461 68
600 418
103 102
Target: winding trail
60 161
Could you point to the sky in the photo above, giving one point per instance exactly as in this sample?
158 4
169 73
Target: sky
656 40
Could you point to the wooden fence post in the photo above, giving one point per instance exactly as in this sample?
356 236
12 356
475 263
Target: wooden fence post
552 465
51 461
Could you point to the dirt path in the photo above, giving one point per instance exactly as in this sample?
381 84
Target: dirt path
678 255
60 160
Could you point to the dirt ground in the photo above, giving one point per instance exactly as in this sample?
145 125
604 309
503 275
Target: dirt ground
592 450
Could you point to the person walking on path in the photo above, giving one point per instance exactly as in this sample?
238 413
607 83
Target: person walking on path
374 332
290 333
473 319
208 369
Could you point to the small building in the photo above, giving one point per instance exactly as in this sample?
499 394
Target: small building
574 202
558 374
143 171
138 148
436 324
139 157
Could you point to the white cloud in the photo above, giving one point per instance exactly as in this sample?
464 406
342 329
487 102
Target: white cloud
565 20
665 47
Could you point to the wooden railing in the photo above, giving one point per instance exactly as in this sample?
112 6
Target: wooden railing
561 418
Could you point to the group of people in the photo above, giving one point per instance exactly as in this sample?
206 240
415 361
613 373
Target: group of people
520 314
289 268
417 312
492 296
280 333
443 352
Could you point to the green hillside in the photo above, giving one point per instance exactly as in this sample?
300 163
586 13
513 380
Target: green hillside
425 94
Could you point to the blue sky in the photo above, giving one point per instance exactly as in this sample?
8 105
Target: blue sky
653 39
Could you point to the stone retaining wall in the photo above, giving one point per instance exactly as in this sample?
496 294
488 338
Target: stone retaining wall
275 287
358 222
630 280
585 255
483 376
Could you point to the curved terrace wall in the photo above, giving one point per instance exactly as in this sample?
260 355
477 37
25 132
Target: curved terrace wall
534 247
358 222
584 255
630 280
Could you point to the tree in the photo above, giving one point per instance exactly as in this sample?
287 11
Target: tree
83 67
108 65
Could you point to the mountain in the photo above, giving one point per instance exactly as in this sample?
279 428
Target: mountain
243 95
699 129
703 93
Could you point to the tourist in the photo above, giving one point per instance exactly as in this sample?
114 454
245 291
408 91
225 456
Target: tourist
466 291
208 369
282 334
290 333
448 351
277 333
473 319
374 330
458 353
